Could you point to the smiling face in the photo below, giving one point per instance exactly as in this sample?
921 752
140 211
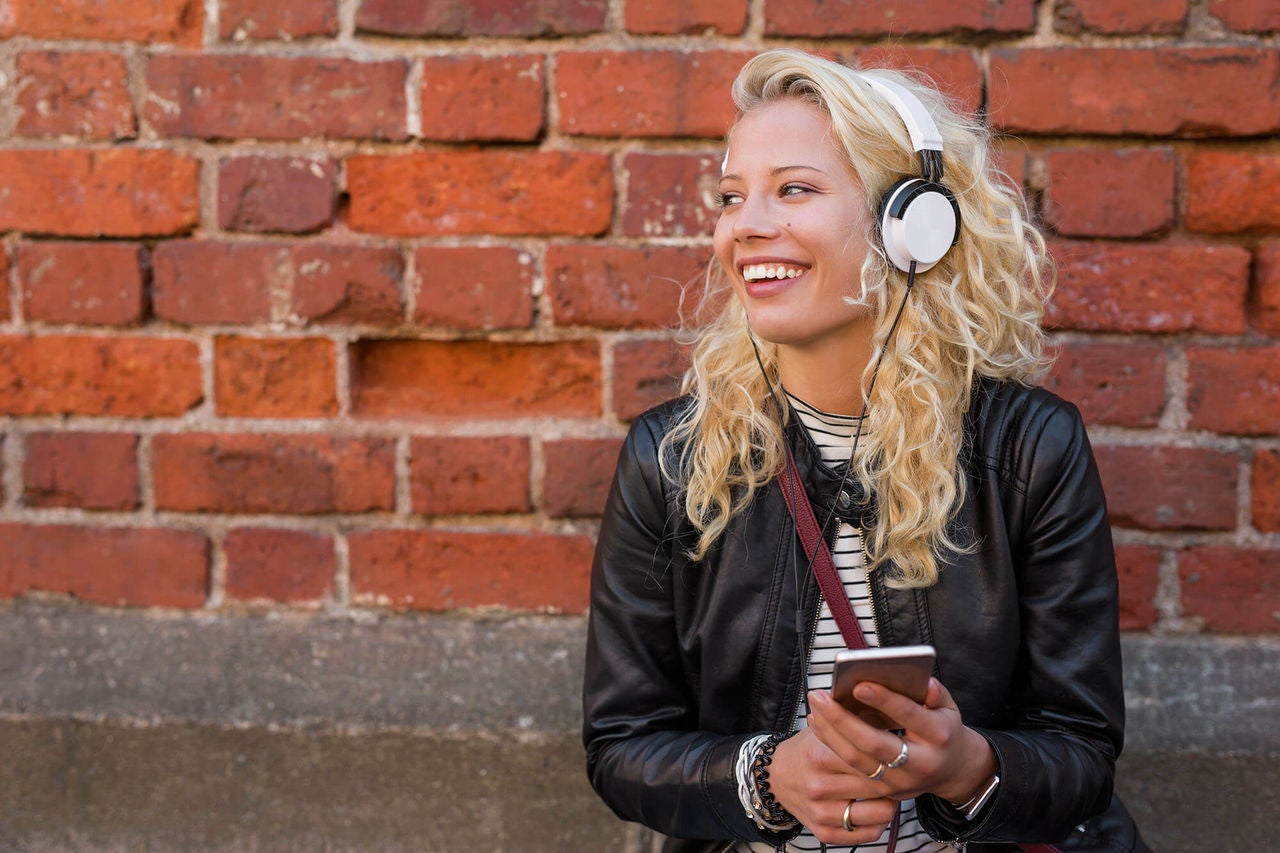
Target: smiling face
791 234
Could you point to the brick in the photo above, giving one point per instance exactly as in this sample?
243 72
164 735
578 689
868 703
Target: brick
114 377
687 17
1264 302
4 282
1120 384
294 474
578 474
1229 192
299 283
1138 568
140 567
499 98
172 21
1134 287
473 287
83 94
1097 192
621 287
92 283
90 470
269 97
289 566
1266 491
647 93
445 18
825 18
1009 155
1247 16
1169 488
479 379
289 194
645 372
78 193
447 570
1234 590
955 72
1160 17
481 192
1161 91
253 20
459 476
1234 390
670 195
275 377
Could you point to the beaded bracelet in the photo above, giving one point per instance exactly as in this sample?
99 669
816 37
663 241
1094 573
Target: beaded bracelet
765 802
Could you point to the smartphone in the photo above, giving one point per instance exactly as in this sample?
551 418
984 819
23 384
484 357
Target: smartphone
903 669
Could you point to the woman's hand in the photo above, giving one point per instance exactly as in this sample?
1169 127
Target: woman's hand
826 794
943 756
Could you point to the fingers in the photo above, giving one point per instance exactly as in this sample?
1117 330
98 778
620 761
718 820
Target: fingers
852 822
859 745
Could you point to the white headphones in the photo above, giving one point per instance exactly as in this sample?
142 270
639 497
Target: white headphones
919 218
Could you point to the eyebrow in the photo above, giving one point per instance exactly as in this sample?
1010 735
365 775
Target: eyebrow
777 170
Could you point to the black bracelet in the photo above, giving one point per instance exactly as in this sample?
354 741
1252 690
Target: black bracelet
770 809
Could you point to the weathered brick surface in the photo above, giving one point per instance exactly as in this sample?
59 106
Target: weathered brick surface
578 474
110 376
1099 192
611 93
291 194
271 97
1247 16
1235 590
1233 191
89 282
1192 91
1234 389
670 195
622 287
4 282
1139 571
473 287
176 21
136 566
1163 488
644 374
213 282
460 476
446 570
91 470
481 192
84 94
275 377
445 18
1264 307
483 97
1121 384
694 17
475 379
1107 16
240 20
267 564
256 473
885 17
1161 287
77 192
953 71
1265 481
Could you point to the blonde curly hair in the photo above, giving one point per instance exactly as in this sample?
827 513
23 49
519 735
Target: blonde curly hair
975 314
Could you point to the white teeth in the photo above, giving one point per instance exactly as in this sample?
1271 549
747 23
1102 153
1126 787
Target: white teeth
756 272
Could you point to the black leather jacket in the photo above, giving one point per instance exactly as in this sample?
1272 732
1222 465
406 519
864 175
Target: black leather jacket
685 661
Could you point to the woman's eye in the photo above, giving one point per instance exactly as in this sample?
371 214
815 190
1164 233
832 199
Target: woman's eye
727 199
793 189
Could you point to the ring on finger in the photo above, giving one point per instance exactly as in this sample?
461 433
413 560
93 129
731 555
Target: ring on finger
900 760
879 771
844 821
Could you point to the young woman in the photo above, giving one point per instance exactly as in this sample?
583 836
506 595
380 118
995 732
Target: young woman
961 504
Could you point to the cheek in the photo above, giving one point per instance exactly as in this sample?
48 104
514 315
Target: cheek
722 244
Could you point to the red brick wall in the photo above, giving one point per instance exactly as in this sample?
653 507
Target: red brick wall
346 304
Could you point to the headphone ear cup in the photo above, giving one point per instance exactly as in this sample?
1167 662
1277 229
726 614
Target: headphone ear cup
919 221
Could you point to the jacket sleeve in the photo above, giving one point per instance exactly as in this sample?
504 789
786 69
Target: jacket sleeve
1066 707
645 756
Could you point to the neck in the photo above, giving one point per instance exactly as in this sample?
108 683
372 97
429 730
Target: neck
827 375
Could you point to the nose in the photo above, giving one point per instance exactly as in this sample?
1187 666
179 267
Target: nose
755 218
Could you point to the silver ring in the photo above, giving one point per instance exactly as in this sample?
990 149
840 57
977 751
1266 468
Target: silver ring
879 771
848 826
900 760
